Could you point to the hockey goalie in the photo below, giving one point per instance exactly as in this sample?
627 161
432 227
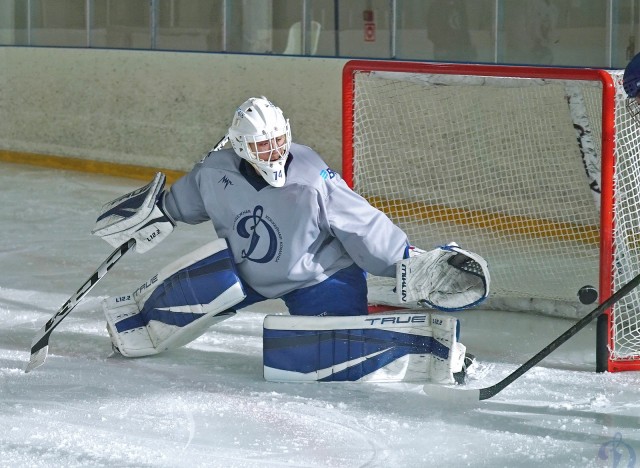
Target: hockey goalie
289 228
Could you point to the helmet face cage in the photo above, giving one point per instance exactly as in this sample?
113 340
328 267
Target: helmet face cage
633 106
631 84
266 149
261 135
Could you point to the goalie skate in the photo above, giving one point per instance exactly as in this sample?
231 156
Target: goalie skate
461 376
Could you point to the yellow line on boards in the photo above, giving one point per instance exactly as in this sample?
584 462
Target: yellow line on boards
496 222
397 209
85 165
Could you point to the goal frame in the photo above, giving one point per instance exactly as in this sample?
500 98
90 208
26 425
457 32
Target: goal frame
604 335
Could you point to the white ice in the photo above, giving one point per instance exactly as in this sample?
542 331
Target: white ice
207 405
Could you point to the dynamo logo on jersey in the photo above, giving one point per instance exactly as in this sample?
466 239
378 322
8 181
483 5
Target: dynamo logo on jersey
265 239
327 174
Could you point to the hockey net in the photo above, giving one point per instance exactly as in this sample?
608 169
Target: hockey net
518 164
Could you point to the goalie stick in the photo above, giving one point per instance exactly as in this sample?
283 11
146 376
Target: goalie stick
223 141
488 392
40 343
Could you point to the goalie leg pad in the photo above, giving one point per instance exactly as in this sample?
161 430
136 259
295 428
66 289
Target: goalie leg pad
445 331
178 304
133 340
407 347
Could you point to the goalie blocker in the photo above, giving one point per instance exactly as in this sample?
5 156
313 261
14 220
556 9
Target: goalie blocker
136 215
405 347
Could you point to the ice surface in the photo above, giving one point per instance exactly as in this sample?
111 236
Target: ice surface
207 405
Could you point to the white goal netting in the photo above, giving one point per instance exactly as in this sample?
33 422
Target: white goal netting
509 168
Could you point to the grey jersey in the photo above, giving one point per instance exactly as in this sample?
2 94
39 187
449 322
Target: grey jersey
291 237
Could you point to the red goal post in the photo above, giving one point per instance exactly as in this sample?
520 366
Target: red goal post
516 163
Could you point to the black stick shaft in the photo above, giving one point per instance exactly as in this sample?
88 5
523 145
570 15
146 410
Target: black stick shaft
488 392
40 342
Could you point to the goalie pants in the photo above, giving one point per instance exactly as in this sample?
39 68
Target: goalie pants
343 293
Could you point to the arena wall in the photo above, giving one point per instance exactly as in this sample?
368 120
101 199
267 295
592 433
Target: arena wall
90 108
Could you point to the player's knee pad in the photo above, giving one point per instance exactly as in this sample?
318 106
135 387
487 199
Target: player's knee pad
178 304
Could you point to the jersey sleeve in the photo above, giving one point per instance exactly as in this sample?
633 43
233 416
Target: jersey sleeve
370 238
183 201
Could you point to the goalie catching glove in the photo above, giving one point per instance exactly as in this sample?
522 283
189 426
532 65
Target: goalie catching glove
447 278
137 215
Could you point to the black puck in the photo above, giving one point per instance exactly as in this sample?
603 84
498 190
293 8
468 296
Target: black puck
587 294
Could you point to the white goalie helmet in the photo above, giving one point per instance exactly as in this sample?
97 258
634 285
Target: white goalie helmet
260 134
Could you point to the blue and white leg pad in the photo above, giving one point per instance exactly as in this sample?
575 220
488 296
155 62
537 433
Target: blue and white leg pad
177 305
403 347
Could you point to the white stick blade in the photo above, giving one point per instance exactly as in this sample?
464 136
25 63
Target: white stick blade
452 394
37 359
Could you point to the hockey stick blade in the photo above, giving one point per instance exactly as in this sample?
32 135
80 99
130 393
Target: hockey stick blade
40 343
450 393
